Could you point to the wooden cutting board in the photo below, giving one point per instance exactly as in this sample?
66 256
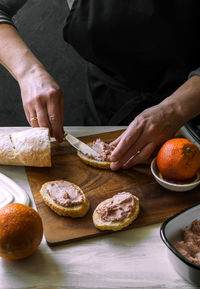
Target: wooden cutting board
156 203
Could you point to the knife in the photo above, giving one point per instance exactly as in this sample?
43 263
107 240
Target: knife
81 146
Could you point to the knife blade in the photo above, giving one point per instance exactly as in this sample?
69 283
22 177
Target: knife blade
81 146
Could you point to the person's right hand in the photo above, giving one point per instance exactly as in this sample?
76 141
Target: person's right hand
43 101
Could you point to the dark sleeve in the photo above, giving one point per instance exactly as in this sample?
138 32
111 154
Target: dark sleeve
8 8
194 72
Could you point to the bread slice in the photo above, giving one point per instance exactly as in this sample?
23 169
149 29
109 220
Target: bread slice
115 225
93 162
75 211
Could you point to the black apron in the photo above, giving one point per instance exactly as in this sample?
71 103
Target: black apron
138 52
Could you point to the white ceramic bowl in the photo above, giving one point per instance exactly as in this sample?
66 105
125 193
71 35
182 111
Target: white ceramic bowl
172 186
171 232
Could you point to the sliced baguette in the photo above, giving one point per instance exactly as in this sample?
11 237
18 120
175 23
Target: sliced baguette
114 225
30 147
70 211
94 163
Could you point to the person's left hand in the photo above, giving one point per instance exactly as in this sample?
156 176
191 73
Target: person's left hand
144 134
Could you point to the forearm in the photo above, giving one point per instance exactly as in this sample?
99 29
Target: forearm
185 101
42 98
14 53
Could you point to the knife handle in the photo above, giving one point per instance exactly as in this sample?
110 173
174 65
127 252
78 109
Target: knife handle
65 133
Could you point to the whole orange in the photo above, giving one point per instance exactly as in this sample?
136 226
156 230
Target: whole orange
21 231
178 159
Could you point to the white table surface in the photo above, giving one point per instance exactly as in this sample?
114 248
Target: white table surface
131 259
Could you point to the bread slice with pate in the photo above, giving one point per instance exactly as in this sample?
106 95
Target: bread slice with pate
104 150
65 198
117 212
94 163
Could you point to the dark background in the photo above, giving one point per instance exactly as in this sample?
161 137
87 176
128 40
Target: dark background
40 24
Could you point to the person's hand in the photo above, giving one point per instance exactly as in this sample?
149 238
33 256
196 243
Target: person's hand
144 134
43 101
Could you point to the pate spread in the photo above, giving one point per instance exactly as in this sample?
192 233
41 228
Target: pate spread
104 149
117 208
64 194
190 246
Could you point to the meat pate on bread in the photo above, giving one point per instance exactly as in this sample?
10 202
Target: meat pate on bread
117 212
104 149
65 198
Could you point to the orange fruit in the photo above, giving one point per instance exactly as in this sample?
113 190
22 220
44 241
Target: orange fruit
178 159
21 231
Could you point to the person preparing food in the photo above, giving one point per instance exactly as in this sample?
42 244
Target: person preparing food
143 59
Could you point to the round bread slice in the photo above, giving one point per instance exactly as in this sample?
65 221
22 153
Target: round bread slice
115 225
67 211
93 162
